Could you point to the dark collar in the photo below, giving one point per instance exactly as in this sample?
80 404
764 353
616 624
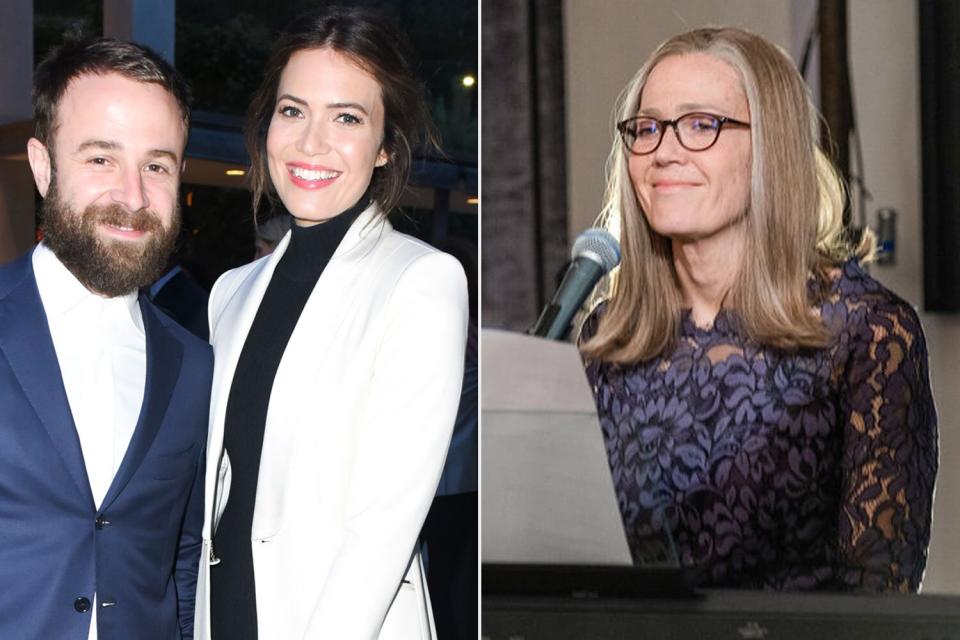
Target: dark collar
311 248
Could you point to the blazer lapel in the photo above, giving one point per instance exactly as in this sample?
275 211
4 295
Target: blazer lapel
310 341
164 358
230 329
316 330
335 291
26 342
315 333
228 333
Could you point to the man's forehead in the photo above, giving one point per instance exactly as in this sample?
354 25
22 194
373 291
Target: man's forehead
115 86
113 109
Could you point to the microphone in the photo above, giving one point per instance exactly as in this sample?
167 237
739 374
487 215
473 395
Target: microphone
594 253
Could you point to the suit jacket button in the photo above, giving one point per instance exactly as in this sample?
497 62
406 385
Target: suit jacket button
101 522
81 604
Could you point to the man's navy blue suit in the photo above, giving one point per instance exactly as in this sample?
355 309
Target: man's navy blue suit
140 550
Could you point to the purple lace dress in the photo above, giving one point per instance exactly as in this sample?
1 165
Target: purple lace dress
762 469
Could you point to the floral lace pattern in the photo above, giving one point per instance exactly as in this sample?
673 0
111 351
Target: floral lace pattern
758 468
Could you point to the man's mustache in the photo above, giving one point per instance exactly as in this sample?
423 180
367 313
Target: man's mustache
118 216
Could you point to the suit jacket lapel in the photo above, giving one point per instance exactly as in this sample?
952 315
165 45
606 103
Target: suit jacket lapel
25 341
164 357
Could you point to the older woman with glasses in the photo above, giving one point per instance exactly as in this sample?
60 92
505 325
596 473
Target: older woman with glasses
765 403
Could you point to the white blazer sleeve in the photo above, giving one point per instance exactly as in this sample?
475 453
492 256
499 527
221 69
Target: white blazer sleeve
402 439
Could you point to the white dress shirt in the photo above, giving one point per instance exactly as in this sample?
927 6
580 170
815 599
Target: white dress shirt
101 349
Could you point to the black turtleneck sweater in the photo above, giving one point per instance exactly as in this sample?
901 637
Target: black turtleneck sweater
232 593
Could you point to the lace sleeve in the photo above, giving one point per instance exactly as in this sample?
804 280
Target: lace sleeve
890 447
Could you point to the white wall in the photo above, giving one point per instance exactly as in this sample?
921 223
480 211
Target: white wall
607 41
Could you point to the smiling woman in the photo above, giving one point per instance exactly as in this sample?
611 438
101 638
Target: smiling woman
765 403
699 199
339 357
336 116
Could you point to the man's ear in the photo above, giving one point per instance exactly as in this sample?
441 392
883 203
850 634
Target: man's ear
39 157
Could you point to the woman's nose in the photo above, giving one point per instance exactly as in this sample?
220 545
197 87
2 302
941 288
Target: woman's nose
314 139
670 148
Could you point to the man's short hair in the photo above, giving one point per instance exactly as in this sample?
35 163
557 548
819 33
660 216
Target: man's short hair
79 56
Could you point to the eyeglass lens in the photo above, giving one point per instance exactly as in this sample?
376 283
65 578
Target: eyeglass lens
696 132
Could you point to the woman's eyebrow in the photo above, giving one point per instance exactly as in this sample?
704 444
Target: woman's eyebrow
347 105
291 98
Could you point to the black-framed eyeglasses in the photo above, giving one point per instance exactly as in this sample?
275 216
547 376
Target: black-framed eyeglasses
695 131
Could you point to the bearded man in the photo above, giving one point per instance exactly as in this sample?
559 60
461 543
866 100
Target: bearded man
103 399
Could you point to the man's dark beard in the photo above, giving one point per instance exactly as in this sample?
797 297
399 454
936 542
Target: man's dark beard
111 267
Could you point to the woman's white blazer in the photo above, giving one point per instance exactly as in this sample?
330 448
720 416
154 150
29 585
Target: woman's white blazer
359 421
